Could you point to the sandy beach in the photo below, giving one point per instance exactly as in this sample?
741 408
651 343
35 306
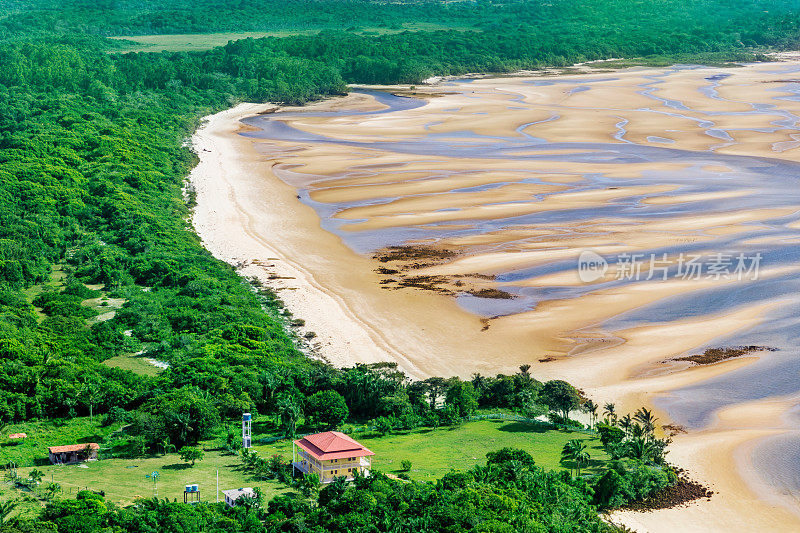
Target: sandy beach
513 178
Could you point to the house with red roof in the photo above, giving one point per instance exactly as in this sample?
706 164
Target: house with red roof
73 453
330 455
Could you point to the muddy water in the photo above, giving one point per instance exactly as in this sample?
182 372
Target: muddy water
523 175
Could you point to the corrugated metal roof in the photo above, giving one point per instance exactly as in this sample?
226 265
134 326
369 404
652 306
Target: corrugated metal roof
73 447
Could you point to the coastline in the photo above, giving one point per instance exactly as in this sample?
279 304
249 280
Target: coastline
263 228
248 217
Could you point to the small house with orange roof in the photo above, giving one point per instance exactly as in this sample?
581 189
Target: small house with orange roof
73 453
330 455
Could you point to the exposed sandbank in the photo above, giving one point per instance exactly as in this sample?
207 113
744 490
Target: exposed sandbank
247 214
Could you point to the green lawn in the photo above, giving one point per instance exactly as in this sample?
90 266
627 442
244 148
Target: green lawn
431 452
436 452
123 480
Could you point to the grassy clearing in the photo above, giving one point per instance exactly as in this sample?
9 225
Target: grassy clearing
193 42
123 480
136 363
32 451
58 276
433 453
204 41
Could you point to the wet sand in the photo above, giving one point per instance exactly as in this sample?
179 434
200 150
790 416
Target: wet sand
514 177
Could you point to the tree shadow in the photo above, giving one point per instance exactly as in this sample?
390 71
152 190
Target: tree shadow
91 438
177 466
524 427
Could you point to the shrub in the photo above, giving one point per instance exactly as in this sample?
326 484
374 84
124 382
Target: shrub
384 424
560 420
191 454
114 415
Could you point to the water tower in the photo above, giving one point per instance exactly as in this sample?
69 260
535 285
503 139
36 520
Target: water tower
247 430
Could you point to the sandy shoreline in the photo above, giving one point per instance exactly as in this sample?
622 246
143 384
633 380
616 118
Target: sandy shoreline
247 216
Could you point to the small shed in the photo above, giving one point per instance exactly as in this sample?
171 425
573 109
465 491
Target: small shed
233 495
73 453
15 436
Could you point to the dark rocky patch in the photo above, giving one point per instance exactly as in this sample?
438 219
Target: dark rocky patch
715 355
673 429
414 253
491 293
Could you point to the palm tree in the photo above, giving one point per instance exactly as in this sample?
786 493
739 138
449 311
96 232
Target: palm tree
6 508
640 448
181 422
336 488
91 394
575 451
35 475
308 484
167 446
52 489
647 419
479 383
290 413
269 384
610 411
625 423
590 408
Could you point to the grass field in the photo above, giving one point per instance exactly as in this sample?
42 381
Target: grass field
123 480
204 41
436 452
432 453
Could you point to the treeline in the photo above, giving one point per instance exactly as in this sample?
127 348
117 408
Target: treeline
588 26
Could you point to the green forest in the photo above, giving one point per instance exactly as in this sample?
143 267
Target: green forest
93 161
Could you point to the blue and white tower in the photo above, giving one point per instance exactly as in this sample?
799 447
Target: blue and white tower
247 430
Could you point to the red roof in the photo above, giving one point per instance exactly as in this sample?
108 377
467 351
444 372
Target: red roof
73 447
332 445
18 436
